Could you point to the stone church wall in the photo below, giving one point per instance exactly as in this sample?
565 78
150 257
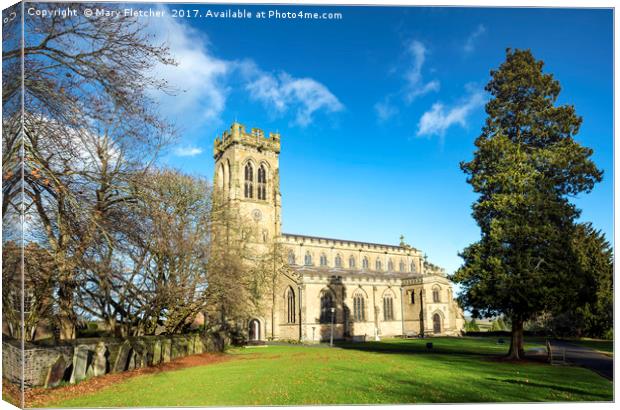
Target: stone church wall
344 301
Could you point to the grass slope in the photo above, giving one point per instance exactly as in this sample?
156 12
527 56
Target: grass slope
395 371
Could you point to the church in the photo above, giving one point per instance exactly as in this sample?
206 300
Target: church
330 288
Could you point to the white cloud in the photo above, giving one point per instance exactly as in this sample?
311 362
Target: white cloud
283 93
204 82
418 91
199 77
385 110
469 45
439 118
188 151
416 87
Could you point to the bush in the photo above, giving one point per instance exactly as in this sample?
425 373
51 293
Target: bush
498 325
471 326
290 341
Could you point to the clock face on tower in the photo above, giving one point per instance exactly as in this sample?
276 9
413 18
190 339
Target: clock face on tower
257 215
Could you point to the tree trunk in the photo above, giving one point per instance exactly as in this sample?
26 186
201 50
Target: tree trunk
516 341
111 325
66 316
66 325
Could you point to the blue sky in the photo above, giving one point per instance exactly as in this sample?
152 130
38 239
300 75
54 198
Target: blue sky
377 110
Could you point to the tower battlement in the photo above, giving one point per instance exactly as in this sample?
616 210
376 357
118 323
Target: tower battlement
237 134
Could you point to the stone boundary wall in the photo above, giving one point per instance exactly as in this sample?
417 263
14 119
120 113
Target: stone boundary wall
79 359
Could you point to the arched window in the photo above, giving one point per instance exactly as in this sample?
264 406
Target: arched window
378 265
413 268
365 263
227 178
390 266
436 295
291 257
308 259
220 177
436 324
327 302
262 183
359 311
249 181
401 266
265 235
338 261
290 298
412 297
388 307
351 262
323 260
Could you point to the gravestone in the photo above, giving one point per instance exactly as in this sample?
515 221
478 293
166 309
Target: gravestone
89 371
174 348
191 342
131 360
140 353
100 360
165 350
81 356
56 372
120 364
156 352
148 361
198 347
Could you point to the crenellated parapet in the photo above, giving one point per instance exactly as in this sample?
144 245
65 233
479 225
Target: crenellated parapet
256 139
432 269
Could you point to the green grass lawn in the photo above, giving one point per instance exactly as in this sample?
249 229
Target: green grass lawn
394 371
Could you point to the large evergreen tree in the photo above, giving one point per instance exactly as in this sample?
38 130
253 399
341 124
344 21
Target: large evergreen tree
526 167
593 314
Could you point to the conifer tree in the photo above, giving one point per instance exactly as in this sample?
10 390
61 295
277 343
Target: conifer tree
526 167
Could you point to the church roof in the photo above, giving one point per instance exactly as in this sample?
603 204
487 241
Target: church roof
302 269
295 235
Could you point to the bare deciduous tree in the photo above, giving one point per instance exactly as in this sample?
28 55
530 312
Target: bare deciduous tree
231 278
85 88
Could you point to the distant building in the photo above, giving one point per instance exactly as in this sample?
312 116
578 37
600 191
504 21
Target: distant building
374 289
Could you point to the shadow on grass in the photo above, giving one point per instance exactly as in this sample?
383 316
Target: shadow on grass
483 347
463 380
482 363
556 387
452 346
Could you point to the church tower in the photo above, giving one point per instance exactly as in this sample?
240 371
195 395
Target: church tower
247 174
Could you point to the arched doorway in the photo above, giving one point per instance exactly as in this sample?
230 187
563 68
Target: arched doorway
254 330
436 324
